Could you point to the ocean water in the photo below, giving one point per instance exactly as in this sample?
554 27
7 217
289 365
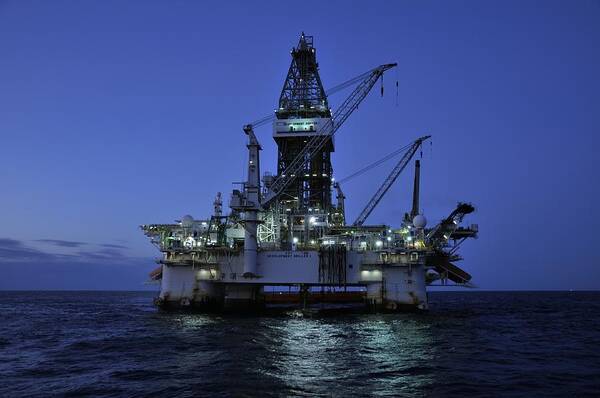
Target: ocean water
117 344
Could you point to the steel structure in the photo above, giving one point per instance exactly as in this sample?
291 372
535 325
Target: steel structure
284 230
302 94
303 102
300 165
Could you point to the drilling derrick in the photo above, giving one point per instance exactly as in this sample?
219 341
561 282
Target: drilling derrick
303 112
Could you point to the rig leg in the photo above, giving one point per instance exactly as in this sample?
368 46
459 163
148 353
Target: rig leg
404 288
238 296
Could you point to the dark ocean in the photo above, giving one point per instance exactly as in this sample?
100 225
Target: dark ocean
116 344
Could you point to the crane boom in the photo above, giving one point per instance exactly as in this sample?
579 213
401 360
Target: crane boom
443 231
391 178
317 142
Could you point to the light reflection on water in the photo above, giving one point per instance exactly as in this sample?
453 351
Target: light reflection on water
311 354
112 344
194 321
358 354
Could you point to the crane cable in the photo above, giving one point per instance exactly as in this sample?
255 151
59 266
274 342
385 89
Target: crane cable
397 87
376 163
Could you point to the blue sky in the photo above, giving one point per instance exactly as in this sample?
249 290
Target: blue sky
119 113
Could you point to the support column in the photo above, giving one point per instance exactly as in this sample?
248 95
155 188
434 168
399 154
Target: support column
405 288
243 296
250 244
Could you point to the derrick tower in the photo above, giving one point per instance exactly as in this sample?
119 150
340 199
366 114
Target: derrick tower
303 112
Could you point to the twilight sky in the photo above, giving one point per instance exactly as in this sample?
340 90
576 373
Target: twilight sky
119 113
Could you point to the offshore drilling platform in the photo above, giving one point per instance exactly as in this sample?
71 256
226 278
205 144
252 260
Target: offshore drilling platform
284 231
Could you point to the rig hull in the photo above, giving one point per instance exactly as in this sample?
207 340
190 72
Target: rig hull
370 278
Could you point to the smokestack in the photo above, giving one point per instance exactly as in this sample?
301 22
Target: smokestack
415 203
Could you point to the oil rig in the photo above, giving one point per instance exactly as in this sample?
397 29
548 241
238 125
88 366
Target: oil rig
284 231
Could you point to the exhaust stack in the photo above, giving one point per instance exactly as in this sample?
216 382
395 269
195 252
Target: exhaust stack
415 203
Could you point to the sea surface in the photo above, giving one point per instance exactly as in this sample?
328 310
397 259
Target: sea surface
116 344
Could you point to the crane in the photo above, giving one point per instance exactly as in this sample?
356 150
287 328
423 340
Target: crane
317 142
391 178
444 230
340 214
442 260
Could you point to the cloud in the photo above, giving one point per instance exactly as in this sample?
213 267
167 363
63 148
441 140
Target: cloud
27 267
62 243
103 254
12 250
113 246
9 243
